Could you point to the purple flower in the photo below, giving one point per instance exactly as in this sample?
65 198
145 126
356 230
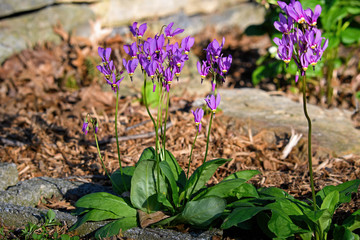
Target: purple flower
159 43
104 54
313 16
96 126
149 47
284 26
107 69
203 70
198 115
312 57
132 50
169 33
212 102
138 32
115 82
214 48
187 43
296 12
130 66
168 77
313 38
224 65
85 127
150 68
304 62
177 70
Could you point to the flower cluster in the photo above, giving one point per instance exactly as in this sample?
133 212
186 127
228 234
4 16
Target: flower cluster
86 126
212 103
162 62
112 77
215 64
301 40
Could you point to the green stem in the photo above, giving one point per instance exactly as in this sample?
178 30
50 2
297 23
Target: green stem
165 120
116 131
156 133
103 165
309 143
116 134
208 137
192 148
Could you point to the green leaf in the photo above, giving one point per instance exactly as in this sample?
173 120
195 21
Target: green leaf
343 233
273 192
50 215
245 174
281 225
330 202
241 214
345 189
113 228
178 172
165 168
246 190
350 35
202 212
358 95
148 153
143 193
107 202
201 175
353 221
269 70
223 189
118 179
94 215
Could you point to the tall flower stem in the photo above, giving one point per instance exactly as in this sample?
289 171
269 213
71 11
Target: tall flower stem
309 143
116 134
208 137
165 120
192 148
156 133
116 130
103 165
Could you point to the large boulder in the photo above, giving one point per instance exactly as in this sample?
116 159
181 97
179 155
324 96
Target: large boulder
332 129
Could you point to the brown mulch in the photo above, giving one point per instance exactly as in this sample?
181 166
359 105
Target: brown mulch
46 92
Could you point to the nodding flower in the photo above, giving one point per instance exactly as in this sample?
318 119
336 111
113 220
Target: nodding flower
203 69
130 66
313 16
138 32
132 50
225 64
85 126
104 54
198 115
187 43
169 32
213 102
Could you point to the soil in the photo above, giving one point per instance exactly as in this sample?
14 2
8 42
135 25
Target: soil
47 91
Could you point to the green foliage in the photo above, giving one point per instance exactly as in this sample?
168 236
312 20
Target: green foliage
152 98
34 231
286 217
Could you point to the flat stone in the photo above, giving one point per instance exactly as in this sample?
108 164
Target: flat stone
8 175
19 216
29 192
9 7
25 31
332 128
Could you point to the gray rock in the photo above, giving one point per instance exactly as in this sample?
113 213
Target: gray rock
19 216
158 234
26 30
332 128
29 192
9 7
8 175
119 12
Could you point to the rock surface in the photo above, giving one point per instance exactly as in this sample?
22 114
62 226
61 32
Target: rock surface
332 128
19 33
28 193
8 175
